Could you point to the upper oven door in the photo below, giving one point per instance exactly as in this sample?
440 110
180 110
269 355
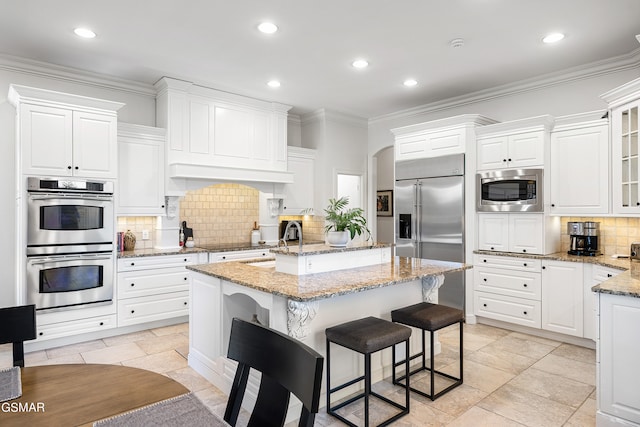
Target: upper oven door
69 219
518 190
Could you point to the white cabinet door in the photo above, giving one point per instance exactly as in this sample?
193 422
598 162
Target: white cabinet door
298 196
520 311
493 232
597 275
619 351
625 129
140 171
562 297
492 153
579 171
46 137
526 150
411 147
95 150
526 233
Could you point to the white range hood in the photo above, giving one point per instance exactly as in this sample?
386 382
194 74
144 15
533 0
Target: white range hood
233 174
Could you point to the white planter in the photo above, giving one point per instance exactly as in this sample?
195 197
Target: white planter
338 238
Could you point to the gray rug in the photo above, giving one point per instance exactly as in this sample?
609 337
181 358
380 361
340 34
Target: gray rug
10 384
185 410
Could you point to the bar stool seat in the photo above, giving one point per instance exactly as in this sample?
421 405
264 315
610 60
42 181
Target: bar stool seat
432 318
366 336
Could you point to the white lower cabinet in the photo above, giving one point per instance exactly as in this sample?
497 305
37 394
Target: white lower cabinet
597 275
76 327
508 289
618 375
563 297
239 255
520 233
154 288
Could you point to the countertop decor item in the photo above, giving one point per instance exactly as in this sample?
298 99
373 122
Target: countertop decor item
344 223
129 241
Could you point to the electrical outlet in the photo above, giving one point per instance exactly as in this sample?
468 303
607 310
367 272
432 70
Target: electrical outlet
145 234
309 265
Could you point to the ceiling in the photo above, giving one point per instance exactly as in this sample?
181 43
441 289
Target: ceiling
216 43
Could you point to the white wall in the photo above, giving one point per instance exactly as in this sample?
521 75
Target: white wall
139 108
385 180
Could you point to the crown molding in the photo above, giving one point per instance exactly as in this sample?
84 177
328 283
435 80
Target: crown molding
609 66
334 116
73 75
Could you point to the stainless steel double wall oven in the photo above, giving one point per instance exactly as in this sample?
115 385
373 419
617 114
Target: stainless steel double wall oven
70 234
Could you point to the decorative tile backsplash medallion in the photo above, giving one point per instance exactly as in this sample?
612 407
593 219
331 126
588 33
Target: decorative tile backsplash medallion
221 213
616 234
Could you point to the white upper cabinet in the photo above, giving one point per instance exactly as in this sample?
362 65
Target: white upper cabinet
299 195
624 106
65 135
579 169
516 144
218 135
437 138
140 170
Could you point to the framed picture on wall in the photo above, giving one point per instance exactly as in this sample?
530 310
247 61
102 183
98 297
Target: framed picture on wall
384 203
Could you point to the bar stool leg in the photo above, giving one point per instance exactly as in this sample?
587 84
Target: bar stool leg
367 387
328 377
433 367
407 373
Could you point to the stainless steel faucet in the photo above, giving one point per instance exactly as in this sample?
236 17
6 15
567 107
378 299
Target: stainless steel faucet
286 232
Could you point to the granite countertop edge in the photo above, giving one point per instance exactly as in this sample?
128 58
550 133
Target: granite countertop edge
235 271
217 248
626 283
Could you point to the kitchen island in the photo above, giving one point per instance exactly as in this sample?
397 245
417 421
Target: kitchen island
618 312
303 306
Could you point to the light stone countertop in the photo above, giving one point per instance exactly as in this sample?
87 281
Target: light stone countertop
626 283
136 253
317 286
317 249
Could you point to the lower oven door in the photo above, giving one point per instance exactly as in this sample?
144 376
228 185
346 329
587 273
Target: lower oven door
68 281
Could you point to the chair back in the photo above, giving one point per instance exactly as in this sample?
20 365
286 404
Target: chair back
18 326
287 366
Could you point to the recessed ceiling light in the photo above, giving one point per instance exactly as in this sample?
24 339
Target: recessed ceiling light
410 82
273 83
268 27
84 33
360 63
553 38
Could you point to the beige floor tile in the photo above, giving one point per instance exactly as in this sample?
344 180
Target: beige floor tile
522 345
32 358
470 341
568 368
159 362
585 416
127 338
75 348
480 376
478 417
559 389
457 401
535 338
526 408
190 379
182 328
574 352
162 343
485 330
423 415
113 354
66 359
501 359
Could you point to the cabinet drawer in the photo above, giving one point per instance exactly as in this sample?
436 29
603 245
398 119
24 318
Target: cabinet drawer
520 284
75 327
138 263
508 309
150 282
601 273
156 307
520 264
238 255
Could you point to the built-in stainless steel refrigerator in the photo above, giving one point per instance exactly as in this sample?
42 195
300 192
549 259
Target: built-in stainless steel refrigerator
429 216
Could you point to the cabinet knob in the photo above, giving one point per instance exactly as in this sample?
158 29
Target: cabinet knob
525 264
76 168
504 160
101 323
544 268
524 250
553 205
484 260
525 313
509 159
133 284
484 305
69 167
186 278
491 247
41 333
185 303
609 275
525 285
162 206
133 311
133 263
185 260
637 203
485 279
224 257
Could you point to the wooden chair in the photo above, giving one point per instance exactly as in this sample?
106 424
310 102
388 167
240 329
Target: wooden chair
18 326
287 366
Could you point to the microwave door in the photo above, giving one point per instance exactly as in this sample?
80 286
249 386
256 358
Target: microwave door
406 218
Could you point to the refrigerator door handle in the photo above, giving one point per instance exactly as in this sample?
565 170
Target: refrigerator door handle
418 212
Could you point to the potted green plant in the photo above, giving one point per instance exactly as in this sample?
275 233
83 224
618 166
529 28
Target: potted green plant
344 223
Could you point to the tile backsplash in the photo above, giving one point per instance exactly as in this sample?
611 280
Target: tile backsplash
221 213
312 226
616 234
137 225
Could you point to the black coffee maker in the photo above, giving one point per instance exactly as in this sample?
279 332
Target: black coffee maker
583 238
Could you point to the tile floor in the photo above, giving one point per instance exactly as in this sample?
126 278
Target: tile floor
510 378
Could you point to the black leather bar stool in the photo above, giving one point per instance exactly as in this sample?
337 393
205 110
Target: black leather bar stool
366 336
432 318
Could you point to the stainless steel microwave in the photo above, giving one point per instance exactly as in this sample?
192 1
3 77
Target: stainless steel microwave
510 190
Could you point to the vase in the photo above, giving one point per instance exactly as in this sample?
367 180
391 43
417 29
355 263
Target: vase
129 241
338 239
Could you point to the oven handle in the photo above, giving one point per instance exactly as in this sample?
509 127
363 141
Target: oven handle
51 259
71 196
